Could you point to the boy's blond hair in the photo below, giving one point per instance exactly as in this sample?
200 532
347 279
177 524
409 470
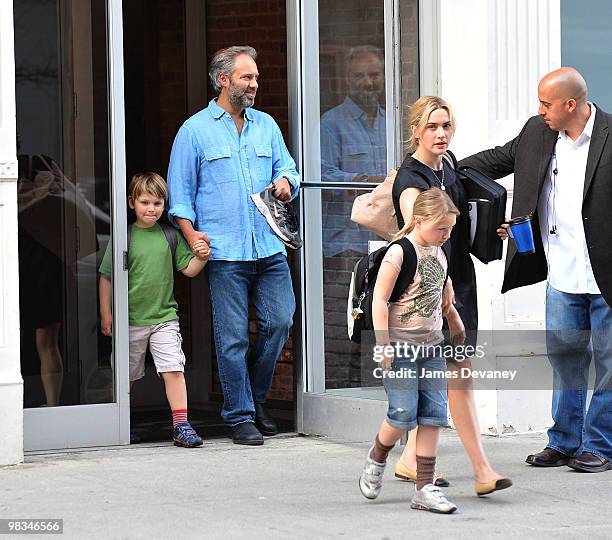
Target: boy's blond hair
150 183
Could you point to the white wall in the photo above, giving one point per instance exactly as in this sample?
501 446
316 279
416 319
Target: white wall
11 383
492 54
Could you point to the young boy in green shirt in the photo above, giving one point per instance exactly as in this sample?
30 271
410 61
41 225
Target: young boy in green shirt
153 316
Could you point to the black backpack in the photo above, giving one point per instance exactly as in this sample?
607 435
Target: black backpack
363 280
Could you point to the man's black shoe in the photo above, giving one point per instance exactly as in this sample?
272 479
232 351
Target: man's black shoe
280 217
264 422
547 458
246 433
587 462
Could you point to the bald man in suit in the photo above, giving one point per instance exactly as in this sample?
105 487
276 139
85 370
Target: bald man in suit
562 165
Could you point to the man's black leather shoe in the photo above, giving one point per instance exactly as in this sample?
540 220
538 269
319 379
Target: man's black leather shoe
264 422
547 458
246 433
587 462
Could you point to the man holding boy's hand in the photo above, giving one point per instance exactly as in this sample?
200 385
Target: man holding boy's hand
220 157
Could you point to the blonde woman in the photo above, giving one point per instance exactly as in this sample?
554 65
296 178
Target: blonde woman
432 126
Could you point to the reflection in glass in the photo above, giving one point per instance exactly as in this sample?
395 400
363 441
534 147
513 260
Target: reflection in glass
353 149
63 197
353 134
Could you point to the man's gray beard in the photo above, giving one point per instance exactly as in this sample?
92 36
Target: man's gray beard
366 99
241 101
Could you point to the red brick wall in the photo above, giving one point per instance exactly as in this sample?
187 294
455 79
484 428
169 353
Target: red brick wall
262 24
172 74
409 47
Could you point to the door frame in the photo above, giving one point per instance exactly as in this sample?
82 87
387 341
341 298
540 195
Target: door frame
319 412
101 424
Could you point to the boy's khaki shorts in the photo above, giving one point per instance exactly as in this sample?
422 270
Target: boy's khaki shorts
165 342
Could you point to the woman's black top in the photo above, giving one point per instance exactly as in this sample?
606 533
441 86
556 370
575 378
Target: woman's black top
415 174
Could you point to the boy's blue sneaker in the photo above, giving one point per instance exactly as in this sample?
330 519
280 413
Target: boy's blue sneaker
184 435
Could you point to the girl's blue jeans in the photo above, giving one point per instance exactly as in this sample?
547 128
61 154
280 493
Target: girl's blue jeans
417 393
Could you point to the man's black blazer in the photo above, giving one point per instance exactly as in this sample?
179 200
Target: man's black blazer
528 157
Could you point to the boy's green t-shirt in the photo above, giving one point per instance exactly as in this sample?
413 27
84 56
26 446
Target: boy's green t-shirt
150 274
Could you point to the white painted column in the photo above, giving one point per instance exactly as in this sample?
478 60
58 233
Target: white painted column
11 383
492 54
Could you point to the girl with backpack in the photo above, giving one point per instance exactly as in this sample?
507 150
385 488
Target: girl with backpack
408 346
430 164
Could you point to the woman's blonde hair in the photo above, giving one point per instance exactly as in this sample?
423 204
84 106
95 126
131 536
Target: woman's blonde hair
430 205
419 116
150 183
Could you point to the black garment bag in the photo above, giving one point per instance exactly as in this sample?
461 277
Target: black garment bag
487 207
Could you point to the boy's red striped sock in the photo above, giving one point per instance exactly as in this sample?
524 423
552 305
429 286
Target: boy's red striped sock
179 416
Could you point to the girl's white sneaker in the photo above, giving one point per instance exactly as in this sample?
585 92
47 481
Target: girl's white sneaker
370 481
431 498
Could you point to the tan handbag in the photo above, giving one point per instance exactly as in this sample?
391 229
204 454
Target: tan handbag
374 210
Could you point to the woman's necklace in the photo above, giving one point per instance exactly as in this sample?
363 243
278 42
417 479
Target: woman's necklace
441 180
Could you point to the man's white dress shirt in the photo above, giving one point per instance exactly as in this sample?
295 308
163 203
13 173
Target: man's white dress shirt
560 205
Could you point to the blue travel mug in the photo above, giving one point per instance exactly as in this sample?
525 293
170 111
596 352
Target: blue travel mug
522 233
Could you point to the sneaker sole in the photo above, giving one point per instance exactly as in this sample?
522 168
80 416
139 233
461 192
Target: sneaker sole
263 208
185 445
415 506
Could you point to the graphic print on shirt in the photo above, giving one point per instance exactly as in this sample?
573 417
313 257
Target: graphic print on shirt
430 289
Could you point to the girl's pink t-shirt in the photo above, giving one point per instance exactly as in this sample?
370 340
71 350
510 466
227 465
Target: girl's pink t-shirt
417 315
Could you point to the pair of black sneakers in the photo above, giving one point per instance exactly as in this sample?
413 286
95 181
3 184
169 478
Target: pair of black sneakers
280 216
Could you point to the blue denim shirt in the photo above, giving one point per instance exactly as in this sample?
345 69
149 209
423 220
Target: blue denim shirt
349 146
214 171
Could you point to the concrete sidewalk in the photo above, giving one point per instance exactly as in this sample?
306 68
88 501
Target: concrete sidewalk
295 487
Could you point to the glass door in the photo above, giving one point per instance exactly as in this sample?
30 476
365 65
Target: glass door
354 79
71 196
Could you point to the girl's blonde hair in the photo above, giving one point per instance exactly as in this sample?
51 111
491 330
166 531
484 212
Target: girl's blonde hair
430 205
150 183
419 116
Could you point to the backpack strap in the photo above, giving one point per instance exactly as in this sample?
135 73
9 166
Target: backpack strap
450 158
409 266
169 232
446 248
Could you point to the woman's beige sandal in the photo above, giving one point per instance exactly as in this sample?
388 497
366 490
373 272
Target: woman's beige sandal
484 488
408 475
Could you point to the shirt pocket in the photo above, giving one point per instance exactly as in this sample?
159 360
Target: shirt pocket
355 150
219 163
355 157
263 155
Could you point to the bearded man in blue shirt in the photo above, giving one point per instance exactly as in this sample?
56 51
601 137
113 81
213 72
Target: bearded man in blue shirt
221 156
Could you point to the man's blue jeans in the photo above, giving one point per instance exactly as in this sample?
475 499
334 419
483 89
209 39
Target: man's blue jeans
578 328
266 284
